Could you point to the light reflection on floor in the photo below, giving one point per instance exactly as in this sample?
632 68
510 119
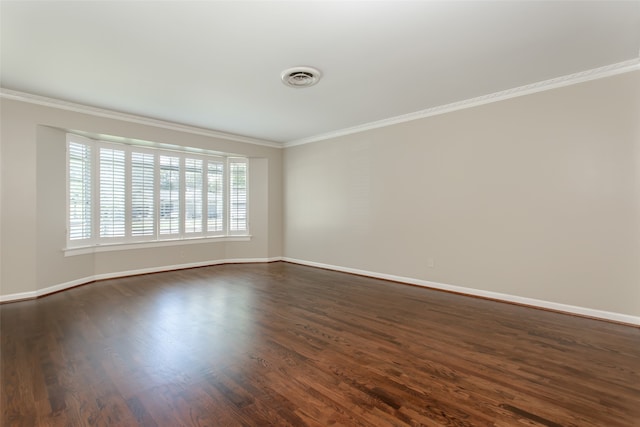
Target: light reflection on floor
180 344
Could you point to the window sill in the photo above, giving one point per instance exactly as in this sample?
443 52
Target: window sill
83 250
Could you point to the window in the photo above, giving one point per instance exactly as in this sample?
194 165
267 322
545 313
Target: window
215 204
143 200
238 197
112 192
121 193
193 196
169 195
80 184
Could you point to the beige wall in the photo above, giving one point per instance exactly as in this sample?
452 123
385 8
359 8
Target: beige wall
34 200
536 196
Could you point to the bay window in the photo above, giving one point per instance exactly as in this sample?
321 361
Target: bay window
120 193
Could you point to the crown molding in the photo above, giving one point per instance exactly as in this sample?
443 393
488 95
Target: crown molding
558 82
132 118
567 80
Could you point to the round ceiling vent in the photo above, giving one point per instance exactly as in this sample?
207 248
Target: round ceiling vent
300 76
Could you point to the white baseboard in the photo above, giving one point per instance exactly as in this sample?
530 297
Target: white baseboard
62 286
549 305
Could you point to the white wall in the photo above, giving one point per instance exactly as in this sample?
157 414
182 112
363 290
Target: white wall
536 197
34 201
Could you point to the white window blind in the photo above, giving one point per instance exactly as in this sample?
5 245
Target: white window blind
215 195
237 195
193 174
120 193
142 194
169 195
112 192
79 191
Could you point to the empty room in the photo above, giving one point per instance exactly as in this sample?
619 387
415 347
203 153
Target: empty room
317 213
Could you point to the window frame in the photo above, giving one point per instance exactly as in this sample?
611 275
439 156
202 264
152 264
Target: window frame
96 243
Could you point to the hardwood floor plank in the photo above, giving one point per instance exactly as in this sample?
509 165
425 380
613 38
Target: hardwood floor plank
288 345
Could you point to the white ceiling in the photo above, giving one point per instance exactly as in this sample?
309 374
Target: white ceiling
217 65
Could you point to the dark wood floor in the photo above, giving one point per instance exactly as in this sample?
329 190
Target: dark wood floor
282 344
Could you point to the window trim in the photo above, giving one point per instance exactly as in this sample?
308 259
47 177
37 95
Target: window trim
95 243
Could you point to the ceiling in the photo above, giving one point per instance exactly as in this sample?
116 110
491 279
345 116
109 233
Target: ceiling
217 65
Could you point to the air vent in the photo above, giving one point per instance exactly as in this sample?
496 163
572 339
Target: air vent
299 77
